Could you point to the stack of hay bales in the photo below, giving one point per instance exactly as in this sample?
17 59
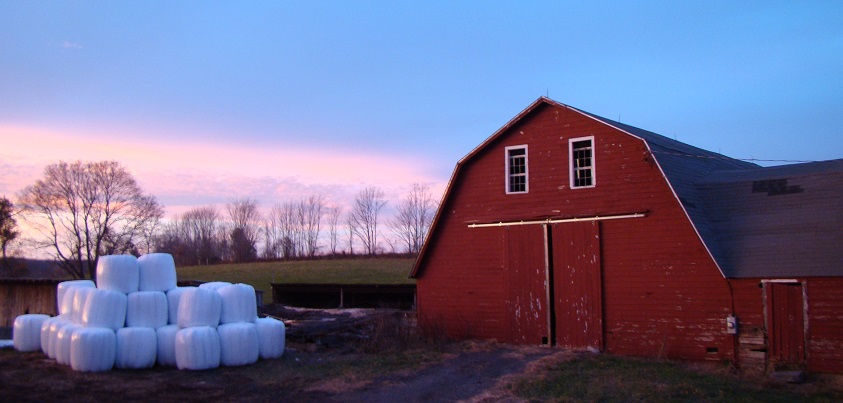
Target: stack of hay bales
135 316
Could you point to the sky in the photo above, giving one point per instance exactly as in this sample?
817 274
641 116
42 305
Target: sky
208 101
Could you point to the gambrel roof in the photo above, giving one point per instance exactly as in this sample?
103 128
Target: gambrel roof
749 225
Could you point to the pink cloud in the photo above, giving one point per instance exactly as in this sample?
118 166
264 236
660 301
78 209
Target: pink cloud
188 174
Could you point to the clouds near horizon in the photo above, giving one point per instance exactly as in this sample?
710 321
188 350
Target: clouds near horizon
185 173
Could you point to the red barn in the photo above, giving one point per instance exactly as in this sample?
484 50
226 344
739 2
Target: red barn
565 228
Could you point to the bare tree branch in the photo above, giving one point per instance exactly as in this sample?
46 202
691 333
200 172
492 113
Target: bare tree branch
364 217
87 210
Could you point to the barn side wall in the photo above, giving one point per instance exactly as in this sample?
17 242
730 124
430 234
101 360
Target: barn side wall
18 297
825 324
662 293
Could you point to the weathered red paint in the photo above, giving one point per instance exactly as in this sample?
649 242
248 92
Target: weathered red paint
577 285
786 323
638 286
659 292
525 270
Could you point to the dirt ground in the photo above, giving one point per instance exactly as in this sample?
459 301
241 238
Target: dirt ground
332 355
328 358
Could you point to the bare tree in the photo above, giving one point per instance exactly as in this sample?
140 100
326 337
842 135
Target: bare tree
85 210
201 231
334 214
311 210
350 228
245 227
413 217
364 217
8 226
283 230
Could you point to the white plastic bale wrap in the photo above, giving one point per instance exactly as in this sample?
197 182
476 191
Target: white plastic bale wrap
118 273
93 349
62 342
52 334
157 272
238 303
271 337
167 345
66 301
137 348
197 348
26 332
65 286
45 333
214 285
147 309
173 300
238 344
80 297
199 307
105 308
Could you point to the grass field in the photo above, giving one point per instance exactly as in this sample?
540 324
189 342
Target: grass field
599 377
343 271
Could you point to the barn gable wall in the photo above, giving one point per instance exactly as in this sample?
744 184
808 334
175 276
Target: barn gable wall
662 293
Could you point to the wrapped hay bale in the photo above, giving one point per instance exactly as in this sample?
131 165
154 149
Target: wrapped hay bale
199 307
173 300
157 272
238 344
62 342
167 345
80 297
105 308
45 334
93 349
137 348
271 337
238 303
214 285
197 348
26 332
146 309
118 273
65 286
52 334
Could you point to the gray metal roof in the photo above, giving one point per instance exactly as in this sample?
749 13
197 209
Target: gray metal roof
774 222
757 222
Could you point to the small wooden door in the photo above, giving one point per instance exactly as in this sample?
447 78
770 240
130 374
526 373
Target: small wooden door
785 324
578 289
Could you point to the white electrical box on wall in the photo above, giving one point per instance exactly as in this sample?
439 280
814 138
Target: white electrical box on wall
731 324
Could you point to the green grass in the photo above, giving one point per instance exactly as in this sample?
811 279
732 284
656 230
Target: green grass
608 378
341 271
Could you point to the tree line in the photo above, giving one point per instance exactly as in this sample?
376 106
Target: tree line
80 211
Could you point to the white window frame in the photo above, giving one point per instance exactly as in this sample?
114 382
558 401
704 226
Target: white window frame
526 169
572 168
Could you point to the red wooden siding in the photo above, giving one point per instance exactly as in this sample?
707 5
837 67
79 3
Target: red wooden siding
748 299
825 324
577 285
785 323
526 274
662 295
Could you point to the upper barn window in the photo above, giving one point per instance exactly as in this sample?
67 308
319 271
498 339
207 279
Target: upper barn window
516 169
581 154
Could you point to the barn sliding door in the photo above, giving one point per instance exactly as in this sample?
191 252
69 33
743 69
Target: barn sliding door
525 276
577 279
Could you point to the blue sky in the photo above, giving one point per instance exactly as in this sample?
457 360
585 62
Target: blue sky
205 101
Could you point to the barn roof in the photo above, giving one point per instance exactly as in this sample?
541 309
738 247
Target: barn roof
781 221
733 223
